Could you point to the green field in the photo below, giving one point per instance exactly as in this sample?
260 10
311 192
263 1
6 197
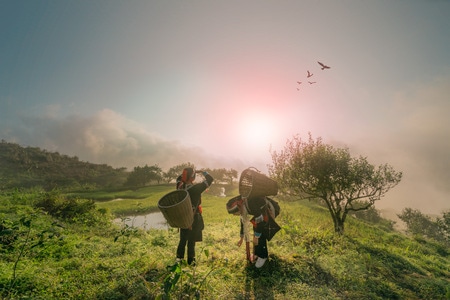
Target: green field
89 257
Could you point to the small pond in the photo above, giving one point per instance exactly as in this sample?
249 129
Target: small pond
154 220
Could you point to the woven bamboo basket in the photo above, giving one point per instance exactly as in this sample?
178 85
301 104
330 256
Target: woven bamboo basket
176 208
252 183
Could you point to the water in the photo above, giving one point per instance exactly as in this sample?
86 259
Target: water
154 220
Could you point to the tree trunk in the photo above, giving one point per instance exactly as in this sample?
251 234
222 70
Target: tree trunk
338 225
338 220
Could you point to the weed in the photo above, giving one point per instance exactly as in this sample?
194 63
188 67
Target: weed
182 281
126 233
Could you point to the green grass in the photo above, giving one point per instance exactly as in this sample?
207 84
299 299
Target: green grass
140 193
307 260
137 202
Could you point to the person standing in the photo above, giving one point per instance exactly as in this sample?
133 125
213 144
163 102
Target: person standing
189 236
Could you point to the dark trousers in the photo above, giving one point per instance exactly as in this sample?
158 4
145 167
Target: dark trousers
189 237
186 237
260 250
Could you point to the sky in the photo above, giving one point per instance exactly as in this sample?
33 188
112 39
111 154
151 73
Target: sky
214 83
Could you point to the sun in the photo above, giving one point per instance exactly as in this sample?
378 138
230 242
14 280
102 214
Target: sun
256 131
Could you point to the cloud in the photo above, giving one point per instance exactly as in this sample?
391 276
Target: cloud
424 132
110 138
414 139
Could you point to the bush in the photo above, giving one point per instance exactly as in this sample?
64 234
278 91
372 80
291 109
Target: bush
70 209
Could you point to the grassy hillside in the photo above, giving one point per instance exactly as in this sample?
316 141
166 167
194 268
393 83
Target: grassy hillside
27 167
86 256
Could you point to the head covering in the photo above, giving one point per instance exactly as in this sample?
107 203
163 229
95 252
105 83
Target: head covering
179 183
188 175
233 205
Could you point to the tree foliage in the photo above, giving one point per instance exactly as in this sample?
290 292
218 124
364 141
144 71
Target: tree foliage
418 223
174 171
444 226
314 170
141 176
223 175
31 166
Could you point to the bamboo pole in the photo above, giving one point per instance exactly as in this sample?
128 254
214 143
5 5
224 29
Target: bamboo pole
246 226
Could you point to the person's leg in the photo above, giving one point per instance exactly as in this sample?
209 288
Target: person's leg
195 235
261 248
261 251
191 250
182 243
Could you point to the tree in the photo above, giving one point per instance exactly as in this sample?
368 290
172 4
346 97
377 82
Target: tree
175 171
444 226
223 175
418 223
230 175
155 173
141 176
314 170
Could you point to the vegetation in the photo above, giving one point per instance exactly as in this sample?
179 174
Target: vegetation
28 167
53 247
419 224
174 171
65 243
141 176
314 170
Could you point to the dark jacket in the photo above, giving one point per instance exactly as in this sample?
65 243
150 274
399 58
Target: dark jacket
195 191
257 207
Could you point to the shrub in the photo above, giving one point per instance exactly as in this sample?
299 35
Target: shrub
70 209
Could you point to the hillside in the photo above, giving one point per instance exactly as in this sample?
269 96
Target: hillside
85 256
31 166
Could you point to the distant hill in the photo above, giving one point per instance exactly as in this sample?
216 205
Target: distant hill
26 167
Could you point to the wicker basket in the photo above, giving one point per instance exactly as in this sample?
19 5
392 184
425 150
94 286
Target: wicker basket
176 207
252 183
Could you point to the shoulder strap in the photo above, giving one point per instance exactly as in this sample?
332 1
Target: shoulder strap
271 209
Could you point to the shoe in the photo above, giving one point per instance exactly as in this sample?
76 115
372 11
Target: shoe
191 261
260 262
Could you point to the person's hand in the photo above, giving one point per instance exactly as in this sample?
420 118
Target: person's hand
239 243
255 241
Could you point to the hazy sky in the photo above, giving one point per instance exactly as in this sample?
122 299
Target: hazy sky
130 83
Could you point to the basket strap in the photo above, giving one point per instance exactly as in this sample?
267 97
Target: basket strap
270 207
255 169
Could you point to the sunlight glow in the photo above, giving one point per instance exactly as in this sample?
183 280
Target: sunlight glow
256 132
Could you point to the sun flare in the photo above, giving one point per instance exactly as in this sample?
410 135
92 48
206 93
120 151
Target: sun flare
256 131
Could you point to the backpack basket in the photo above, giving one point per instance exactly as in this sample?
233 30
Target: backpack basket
252 183
176 208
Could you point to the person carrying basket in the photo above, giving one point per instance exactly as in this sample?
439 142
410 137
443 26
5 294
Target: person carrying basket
254 187
189 236
264 211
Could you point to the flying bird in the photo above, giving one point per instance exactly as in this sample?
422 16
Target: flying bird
309 74
311 82
323 66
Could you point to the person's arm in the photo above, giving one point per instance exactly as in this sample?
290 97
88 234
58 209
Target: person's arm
202 186
208 178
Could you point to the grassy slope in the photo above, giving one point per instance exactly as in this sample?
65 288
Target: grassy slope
307 261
